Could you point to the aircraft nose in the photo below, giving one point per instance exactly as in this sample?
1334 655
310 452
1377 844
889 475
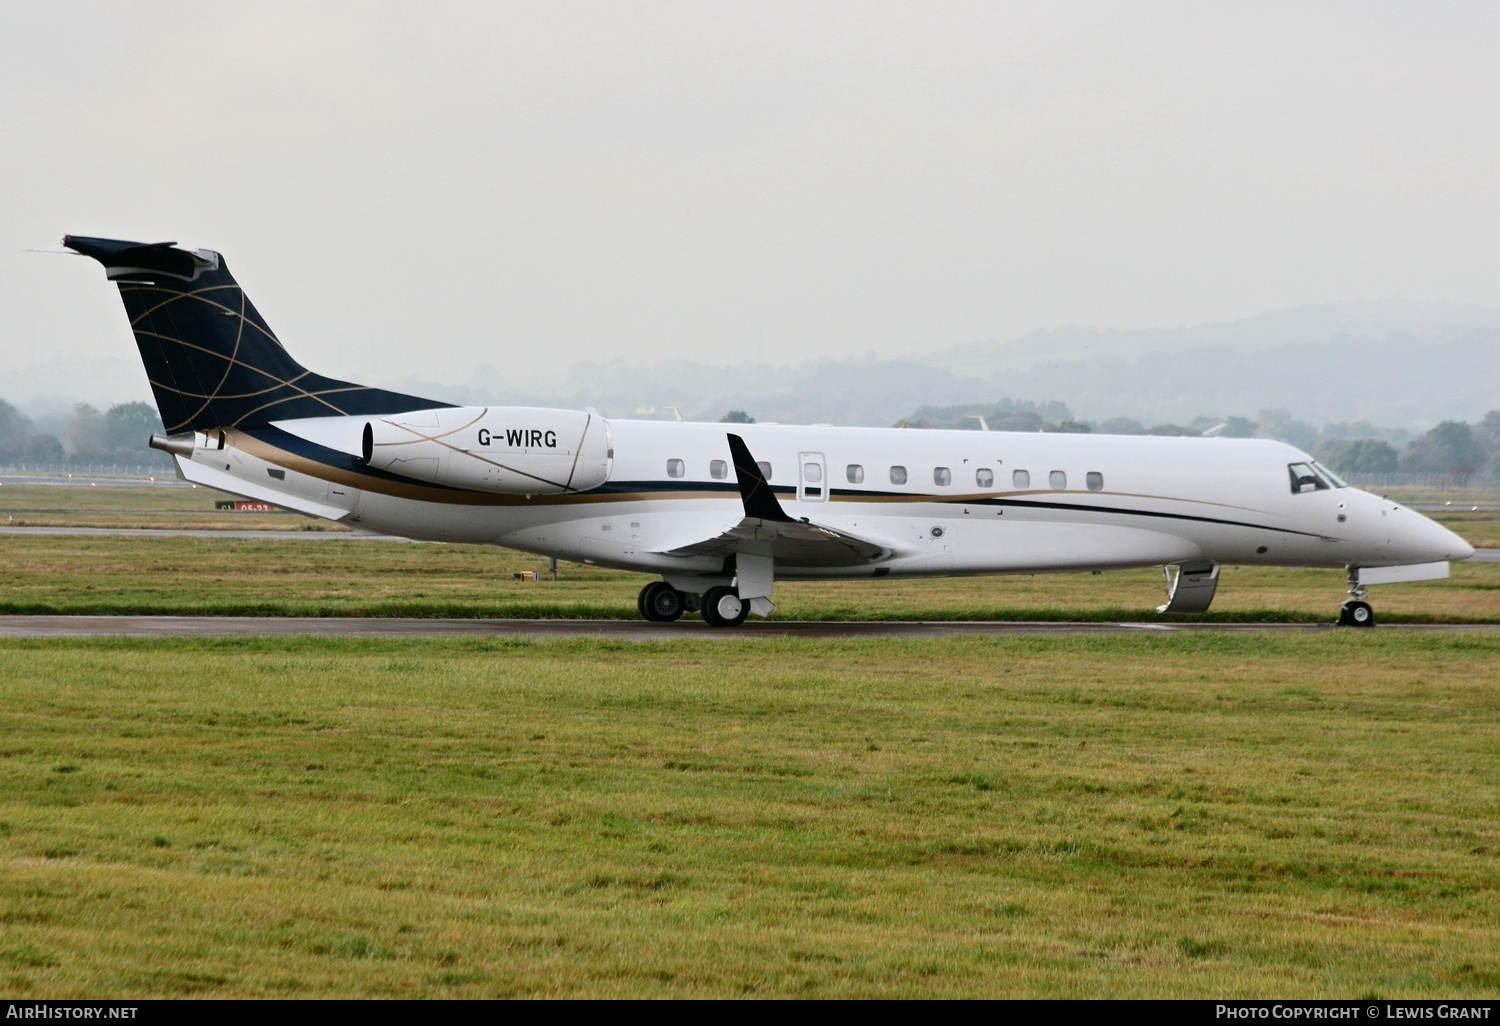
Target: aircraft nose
1402 535
1462 549
1438 543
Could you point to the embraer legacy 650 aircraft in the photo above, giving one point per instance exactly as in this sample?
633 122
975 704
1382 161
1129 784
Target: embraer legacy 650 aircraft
722 512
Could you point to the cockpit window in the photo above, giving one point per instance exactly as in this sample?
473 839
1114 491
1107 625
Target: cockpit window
1330 476
1306 479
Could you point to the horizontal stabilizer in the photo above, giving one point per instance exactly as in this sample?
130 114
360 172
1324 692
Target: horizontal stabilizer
123 257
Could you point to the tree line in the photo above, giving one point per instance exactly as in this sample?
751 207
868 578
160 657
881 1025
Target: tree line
113 437
1454 449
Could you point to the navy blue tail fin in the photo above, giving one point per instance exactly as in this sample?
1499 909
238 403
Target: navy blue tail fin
212 360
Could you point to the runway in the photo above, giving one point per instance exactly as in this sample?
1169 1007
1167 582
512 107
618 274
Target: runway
193 532
1480 555
624 630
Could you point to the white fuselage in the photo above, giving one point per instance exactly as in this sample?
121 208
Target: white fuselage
968 502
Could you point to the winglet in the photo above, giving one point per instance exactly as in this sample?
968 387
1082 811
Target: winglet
759 500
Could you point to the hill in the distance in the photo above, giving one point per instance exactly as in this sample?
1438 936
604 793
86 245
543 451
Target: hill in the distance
1407 363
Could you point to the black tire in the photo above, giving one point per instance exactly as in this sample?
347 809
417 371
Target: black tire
722 607
659 602
1356 614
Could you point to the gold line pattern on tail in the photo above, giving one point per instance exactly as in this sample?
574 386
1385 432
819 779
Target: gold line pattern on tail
231 359
198 294
239 335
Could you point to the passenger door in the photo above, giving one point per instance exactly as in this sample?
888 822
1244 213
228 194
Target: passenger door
812 477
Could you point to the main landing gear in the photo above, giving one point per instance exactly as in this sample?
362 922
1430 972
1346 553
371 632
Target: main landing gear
659 602
1356 612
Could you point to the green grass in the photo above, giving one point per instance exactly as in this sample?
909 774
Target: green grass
305 577
1164 815
167 504
329 577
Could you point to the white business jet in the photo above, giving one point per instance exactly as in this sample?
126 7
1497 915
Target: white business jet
721 513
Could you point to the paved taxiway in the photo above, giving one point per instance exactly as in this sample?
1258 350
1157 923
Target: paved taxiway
166 626
627 630
1480 555
187 532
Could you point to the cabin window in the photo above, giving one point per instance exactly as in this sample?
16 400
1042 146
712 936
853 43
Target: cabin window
674 468
942 476
1021 478
984 477
898 475
765 469
855 473
1058 480
1305 478
718 470
1094 480
812 473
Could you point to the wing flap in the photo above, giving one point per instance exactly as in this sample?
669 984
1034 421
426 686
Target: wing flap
791 543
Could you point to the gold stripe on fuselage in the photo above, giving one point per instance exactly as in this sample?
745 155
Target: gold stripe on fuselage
417 491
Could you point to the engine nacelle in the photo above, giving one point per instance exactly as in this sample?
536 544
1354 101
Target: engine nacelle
512 450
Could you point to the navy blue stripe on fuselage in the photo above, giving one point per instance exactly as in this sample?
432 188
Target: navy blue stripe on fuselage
333 458
342 461
850 494
1117 511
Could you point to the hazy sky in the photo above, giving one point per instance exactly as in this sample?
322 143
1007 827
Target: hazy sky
411 190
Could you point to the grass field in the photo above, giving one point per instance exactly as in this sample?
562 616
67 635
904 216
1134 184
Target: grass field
338 577
163 505
320 577
236 576
1123 816
1161 815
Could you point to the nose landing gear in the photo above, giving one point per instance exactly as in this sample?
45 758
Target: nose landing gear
1356 612
723 607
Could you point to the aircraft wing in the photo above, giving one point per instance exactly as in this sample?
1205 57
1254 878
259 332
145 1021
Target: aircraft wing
767 526
793 542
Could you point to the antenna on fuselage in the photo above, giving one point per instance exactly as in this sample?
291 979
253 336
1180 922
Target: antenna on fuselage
984 425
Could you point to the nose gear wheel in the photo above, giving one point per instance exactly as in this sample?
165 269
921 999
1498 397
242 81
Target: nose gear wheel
723 607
